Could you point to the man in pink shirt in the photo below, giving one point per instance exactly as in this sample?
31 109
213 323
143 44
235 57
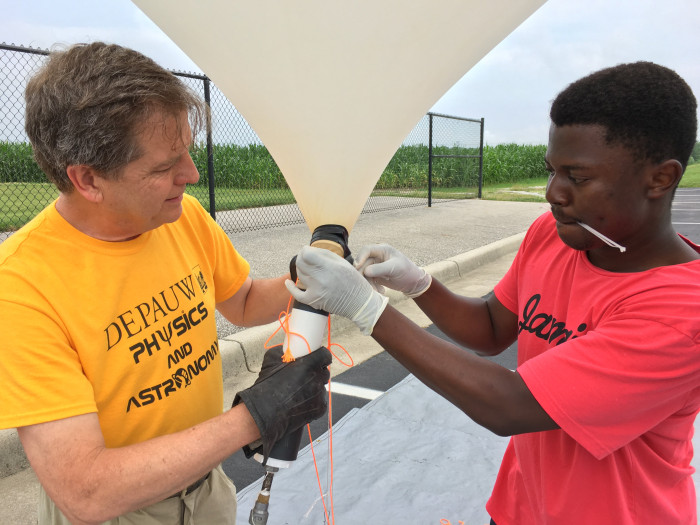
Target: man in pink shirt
603 300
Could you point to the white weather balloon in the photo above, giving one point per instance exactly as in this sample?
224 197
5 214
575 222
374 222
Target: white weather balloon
333 87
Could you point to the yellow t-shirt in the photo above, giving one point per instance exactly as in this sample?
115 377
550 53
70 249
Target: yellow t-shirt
124 329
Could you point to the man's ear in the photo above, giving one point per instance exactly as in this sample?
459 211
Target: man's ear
664 178
86 182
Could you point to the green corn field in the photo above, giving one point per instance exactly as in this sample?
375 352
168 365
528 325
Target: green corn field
247 176
252 167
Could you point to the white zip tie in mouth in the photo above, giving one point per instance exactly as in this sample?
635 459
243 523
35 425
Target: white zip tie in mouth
602 237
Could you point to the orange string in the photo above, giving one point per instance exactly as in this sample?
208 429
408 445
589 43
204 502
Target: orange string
318 477
330 418
284 324
283 319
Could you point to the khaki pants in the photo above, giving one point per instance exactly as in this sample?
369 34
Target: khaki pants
212 503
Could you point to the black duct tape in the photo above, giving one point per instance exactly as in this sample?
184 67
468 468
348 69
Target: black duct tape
335 233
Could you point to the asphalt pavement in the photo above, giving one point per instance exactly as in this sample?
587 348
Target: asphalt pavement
686 213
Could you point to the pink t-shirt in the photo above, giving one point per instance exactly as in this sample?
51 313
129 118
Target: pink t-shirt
614 359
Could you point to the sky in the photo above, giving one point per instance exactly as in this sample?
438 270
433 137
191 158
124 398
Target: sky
511 87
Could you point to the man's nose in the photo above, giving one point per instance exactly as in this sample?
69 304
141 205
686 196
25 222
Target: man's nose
187 174
556 192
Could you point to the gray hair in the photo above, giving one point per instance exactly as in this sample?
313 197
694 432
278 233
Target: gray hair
87 104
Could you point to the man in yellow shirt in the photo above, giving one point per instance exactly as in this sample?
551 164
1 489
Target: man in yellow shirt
111 367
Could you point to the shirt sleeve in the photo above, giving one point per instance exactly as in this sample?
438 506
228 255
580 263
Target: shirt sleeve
229 268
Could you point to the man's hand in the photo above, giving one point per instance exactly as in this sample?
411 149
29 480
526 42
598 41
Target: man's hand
286 396
333 285
384 265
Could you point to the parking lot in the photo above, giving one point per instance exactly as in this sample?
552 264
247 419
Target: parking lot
686 213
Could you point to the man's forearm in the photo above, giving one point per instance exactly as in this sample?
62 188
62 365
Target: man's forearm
92 484
493 396
466 320
266 299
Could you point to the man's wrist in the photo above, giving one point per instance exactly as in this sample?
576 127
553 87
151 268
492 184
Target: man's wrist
369 314
421 286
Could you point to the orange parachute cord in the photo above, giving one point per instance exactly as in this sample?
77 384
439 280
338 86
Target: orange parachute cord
283 319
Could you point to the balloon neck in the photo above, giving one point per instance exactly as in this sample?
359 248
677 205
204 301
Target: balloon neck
332 237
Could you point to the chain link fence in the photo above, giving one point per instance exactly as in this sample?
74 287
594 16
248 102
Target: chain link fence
240 184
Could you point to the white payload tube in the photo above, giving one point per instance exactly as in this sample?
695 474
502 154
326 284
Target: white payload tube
305 333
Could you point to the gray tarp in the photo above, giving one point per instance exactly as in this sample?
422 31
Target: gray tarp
407 457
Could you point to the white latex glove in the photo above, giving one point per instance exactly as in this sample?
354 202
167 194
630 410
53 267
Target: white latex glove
333 285
384 265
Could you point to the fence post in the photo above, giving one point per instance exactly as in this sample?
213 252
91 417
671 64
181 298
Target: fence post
430 160
481 156
210 154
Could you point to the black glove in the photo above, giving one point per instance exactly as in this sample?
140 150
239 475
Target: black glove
286 396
